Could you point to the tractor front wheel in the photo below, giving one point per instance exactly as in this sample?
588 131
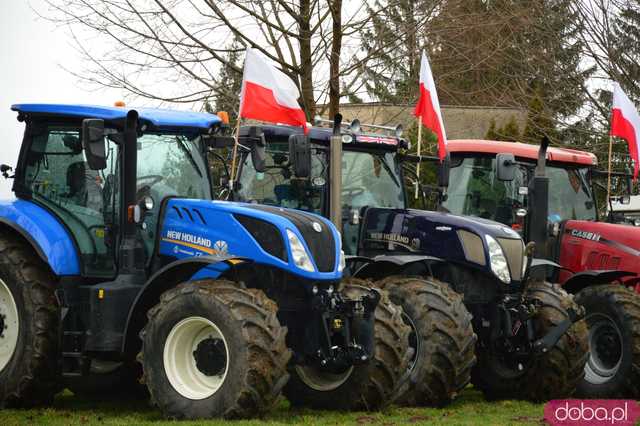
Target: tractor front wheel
214 349
29 318
369 386
442 339
613 320
553 375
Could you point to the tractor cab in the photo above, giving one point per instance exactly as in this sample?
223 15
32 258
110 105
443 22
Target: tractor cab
476 189
299 178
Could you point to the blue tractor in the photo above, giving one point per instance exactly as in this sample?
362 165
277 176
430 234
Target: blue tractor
469 288
114 252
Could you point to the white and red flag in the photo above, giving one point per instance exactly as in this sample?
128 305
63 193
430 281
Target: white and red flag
625 123
268 94
428 106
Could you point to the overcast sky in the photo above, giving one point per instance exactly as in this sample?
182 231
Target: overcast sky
32 51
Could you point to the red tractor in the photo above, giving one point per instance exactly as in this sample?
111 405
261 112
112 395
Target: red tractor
548 195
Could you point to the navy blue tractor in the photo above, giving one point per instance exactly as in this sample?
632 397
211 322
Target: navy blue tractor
468 290
113 252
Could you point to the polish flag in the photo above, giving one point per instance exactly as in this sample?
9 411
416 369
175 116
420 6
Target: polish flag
625 123
428 107
268 94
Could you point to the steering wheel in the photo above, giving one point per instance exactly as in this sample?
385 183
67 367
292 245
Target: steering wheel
353 191
152 180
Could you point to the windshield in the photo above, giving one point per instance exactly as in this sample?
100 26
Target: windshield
277 186
170 164
370 179
570 196
475 190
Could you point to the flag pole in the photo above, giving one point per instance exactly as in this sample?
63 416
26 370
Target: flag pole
419 151
609 173
235 153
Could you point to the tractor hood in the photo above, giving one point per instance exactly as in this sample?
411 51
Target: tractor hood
453 238
268 235
589 245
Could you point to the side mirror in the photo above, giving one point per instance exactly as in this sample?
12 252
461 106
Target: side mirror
94 144
506 167
300 155
443 172
259 154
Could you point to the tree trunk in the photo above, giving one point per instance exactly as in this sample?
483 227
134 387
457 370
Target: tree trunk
334 60
306 65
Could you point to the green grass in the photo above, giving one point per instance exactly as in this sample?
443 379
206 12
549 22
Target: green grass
469 409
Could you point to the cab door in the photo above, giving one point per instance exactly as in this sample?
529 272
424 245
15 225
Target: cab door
55 175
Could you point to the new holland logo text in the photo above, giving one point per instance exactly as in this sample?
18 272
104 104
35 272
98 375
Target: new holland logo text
188 238
585 235
184 239
392 238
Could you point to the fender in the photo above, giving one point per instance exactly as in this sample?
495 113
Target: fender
167 277
544 263
389 262
48 237
590 278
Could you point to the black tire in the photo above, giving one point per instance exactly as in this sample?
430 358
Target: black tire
122 382
442 338
256 368
553 375
613 320
369 386
30 378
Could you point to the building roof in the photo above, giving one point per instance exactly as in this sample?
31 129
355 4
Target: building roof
521 150
155 116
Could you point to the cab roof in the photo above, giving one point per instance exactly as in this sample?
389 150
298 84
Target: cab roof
322 135
161 118
521 150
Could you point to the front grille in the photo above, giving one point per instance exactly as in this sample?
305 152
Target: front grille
321 244
266 234
514 251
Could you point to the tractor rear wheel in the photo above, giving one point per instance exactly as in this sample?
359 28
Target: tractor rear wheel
553 375
613 320
369 386
29 318
442 339
213 349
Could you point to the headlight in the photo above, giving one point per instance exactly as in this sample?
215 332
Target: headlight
525 260
300 256
343 262
497 259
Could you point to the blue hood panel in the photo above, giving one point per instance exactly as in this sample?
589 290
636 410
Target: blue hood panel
50 238
199 227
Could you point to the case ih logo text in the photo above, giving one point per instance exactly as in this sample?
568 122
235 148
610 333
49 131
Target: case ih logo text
585 235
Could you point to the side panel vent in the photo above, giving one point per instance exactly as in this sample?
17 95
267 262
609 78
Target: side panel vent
266 234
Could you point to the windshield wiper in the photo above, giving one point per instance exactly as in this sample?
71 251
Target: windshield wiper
186 150
388 169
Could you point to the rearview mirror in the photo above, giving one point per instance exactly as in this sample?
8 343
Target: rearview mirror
506 167
300 155
258 155
443 172
94 144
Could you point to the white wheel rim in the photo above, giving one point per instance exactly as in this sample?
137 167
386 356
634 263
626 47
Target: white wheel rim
179 361
322 381
11 325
